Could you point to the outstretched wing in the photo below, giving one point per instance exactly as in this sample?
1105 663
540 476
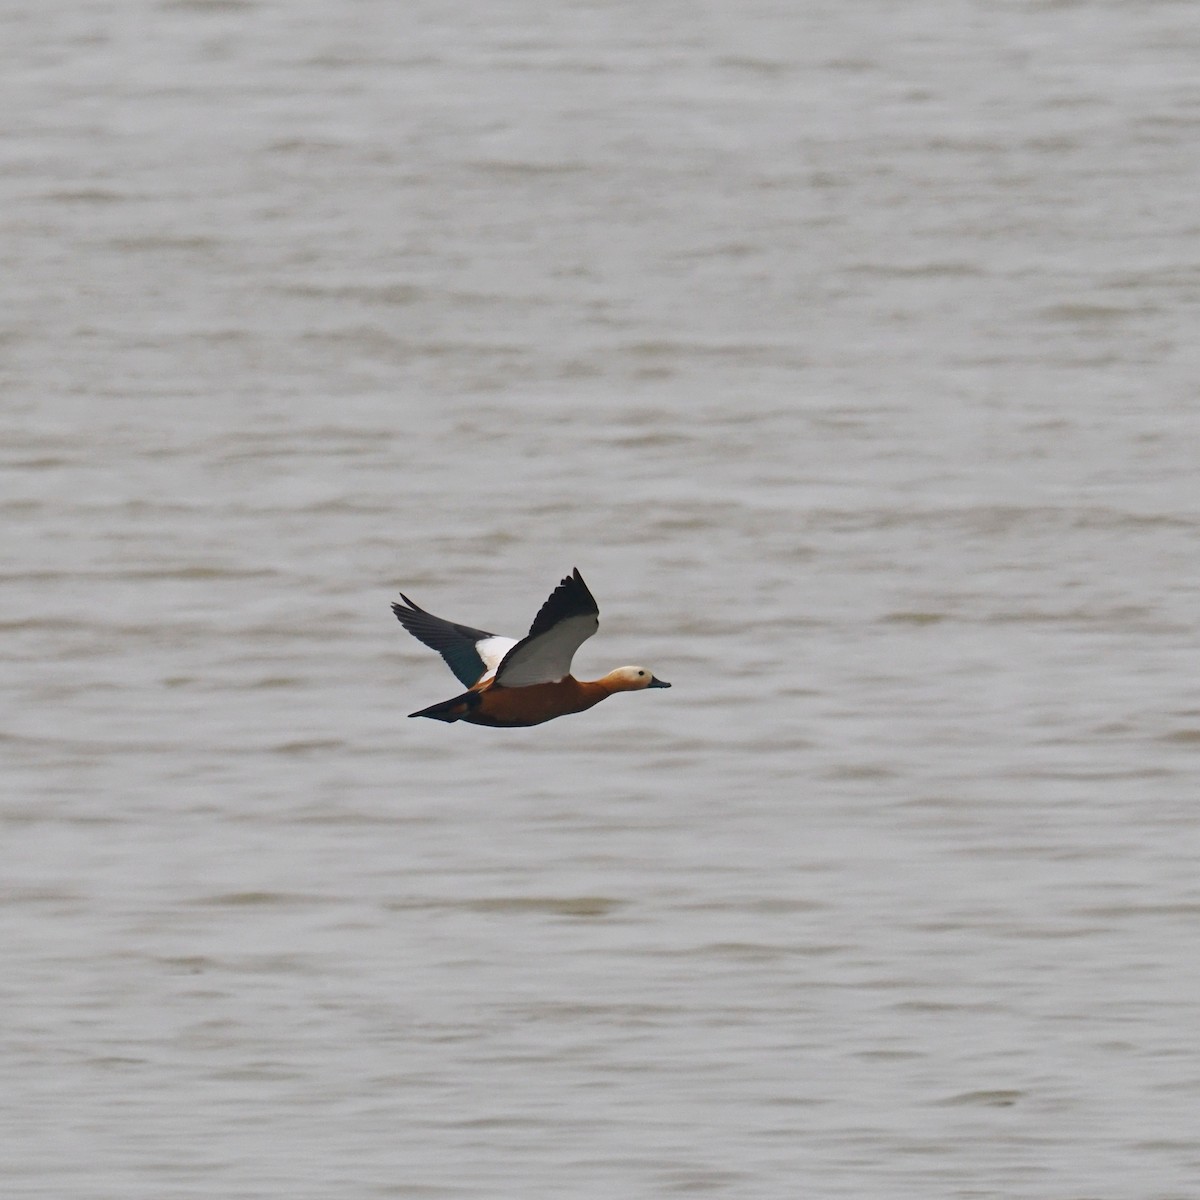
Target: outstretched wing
565 622
472 654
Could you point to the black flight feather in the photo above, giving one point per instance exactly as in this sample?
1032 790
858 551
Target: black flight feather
570 599
455 643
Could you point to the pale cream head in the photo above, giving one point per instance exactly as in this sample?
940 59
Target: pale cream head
634 679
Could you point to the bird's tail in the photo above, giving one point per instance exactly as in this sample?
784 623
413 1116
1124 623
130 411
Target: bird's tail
451 710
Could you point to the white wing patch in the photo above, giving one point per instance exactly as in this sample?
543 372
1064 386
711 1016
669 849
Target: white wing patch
492 650
547 657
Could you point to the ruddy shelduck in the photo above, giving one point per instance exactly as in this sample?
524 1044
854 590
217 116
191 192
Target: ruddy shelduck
514 683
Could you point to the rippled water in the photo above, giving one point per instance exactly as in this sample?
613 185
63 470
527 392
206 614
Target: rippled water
849 351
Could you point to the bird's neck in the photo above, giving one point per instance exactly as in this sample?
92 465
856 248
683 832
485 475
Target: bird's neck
610 683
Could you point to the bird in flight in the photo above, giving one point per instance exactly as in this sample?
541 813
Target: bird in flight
514 683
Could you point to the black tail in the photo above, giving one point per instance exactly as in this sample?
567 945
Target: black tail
451 710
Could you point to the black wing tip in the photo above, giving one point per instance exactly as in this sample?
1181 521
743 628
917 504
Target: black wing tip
406 611
570 599
580 592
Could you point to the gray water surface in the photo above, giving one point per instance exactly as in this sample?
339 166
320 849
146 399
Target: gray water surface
850 353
